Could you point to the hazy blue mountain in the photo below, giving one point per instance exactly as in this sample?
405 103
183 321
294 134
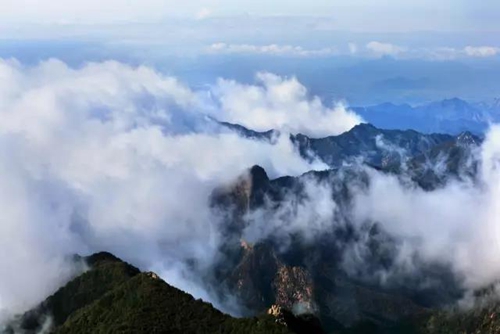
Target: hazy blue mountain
447 116
369 144
364 143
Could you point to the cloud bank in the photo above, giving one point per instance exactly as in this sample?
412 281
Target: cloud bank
124 159
380 49
119 158
371 49
283 104
456 225
385 49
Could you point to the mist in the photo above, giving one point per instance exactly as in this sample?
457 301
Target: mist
109 157
455 224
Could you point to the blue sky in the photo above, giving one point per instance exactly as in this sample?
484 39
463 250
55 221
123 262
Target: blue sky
353 15
356 50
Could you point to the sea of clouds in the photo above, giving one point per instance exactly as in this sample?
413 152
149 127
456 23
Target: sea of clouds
109 157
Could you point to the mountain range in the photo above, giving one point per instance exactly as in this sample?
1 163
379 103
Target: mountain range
447 116
311 274
289 282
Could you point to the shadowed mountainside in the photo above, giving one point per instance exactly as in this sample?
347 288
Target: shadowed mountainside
115 297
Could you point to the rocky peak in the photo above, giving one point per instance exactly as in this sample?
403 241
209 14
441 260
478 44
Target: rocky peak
300 324
153 275
258 177
294 288
466 138
247 247
275 310
244 193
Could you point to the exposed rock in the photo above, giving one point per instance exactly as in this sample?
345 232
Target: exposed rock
307 324
153 275
294 287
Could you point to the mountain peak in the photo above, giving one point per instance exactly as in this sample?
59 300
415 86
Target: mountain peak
467 138
142 303
454 102
258 174
364 127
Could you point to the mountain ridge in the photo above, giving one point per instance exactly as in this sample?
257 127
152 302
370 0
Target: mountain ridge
452 116
113 296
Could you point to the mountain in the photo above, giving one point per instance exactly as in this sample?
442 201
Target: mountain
289 271
369 144
447 116
248 133
453 159
115 297
364 143
311 275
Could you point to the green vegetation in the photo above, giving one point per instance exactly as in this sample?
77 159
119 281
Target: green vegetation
115 297
146 304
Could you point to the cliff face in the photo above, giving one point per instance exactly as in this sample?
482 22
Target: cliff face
294 289
261 279
308 277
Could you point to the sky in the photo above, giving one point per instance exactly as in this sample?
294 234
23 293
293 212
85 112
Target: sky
387 15
434 49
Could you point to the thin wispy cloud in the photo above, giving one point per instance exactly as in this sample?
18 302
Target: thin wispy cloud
203 13
481 51
271 49
375 49
385 49
379 49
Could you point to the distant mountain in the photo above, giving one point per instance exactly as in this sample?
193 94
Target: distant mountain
447 116
368 144
115 297
364 143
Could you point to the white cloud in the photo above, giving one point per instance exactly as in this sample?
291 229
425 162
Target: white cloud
455 225
440 53
283 104
435 53
481 51
110 157
271 49
353 48
385 49
448 53
203 14
311 216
